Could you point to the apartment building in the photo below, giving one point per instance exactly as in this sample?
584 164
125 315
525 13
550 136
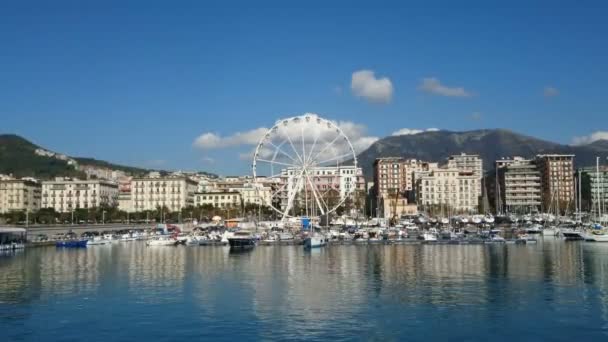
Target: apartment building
598 187
174 193
449 187
557 180
398 174
466 163
519 186
219 199
66 195
19 195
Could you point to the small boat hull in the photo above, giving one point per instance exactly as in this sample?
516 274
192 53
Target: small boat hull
72 243
241 243
315 242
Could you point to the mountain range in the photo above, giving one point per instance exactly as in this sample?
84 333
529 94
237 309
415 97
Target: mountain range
22 158
489 144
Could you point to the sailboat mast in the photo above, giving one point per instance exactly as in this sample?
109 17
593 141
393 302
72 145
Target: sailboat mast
597 188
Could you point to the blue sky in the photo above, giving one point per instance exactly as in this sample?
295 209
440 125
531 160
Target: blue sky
138 82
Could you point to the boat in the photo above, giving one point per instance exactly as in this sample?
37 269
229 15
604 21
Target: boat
315 241
98 240
242 240
534 229
496 238
286 236
597 234
550 231
525 239
162 241
72 243
572 234
430 235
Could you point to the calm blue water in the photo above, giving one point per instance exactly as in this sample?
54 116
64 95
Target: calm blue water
125 292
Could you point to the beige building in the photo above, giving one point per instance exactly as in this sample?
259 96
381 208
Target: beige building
467 163
66 195
219 199
519 186
451 188
19 195
174 193
395 206
557 175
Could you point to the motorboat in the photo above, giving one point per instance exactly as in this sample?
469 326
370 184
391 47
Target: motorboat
534 229
315 241
286 236
550 231
242 240
572 234
162 241
98 240
430 235
488 219
525 238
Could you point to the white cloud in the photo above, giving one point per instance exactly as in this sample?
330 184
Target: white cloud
365 84
550 91
588 139
412 131
208 160
214 141
433 85
311 134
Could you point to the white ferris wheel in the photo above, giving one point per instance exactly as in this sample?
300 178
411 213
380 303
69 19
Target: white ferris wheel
311 159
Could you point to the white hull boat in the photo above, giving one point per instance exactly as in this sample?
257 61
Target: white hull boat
99 241
162 241
315 242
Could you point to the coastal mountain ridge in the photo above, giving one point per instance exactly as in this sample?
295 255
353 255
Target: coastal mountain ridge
22 158
489 144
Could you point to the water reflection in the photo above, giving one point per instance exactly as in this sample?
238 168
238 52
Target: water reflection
370 292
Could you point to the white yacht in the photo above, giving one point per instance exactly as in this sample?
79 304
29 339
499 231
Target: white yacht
430 235
98 240
162 240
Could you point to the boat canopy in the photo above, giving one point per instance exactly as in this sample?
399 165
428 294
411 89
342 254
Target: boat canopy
12 230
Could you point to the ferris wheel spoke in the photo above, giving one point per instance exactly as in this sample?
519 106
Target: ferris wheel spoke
314 192
325 148
276 162
293 195
279 190
278 149
335 158
314 144
294 149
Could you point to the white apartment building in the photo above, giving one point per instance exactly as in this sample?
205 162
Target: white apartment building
174 193
19 195
219 199
254 193
519 186
341 179
66 195
449 187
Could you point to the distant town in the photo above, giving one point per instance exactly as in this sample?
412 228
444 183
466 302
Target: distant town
400 186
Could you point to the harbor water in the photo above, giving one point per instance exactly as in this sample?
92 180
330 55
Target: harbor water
555 290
